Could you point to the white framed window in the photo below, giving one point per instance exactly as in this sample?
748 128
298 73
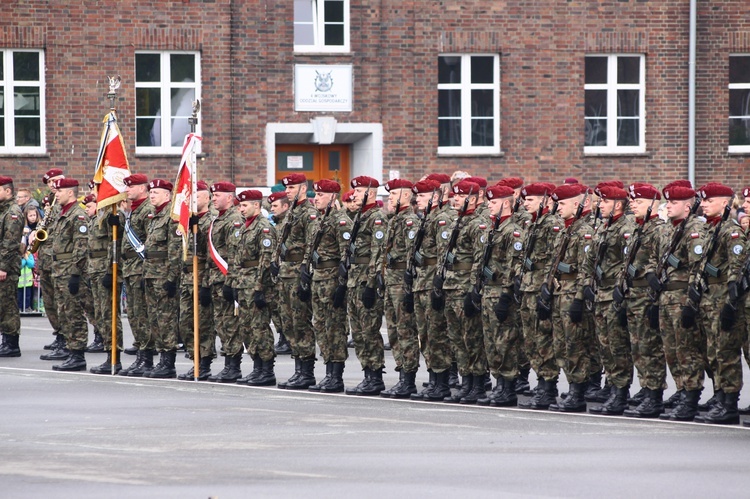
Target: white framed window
468 104
321 25
739 103
166 84
22 106
615 87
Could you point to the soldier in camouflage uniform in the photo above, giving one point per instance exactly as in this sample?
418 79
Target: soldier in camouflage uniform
250 275
603 264
745 287
402 329
332 236
206 330
364 306
278 206
134 225
461 264
299 223
99 271
69 249
502 341
537 332
11 231
645 341
482 207
161 273
431 324
720 313
594 392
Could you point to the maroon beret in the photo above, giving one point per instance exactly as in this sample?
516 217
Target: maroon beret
55 172
480 181
612 192
326 185
443 178
566 191
466 187
159 183
275 196
66 183
398 183
715 190
609 183
538 189
250 195
348 196
679 183
499 192
364 181
89 199
512 182
5 180
135 179
201 185
425 186
642 190
223 187
294 179
678 192
570 180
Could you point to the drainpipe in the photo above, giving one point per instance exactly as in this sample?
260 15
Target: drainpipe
691 94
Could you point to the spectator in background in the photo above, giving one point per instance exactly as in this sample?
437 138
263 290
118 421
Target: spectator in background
25 200
26 281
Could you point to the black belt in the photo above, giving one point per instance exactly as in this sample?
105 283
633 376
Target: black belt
675 285
569 277
98 254
127 254
397 265
608 282
326 264
292 258
639 283
428 261
361 260
249 264
461 266
716 280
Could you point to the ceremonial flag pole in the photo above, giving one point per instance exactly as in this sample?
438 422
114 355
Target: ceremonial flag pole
111 168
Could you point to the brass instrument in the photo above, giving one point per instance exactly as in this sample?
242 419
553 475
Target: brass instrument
40 235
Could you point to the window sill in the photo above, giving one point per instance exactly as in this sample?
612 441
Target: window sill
162 155
471 155
24 155
738 153
319 53
617 154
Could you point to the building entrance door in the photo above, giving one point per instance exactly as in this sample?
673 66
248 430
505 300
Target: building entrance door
315 161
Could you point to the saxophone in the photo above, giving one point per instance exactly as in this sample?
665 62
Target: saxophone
40 235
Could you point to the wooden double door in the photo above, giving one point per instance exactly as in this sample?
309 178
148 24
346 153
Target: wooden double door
315 161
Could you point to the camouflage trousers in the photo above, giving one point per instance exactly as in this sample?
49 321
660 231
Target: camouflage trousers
502 341
465 334
296 316
433 333
401 328
572 352
537 335
329 323
724 348
162 316
255 325
137 315
615 345
225 323
102 299
47 285
684 349
70 314
368 342
645 343
10 315
86 295
206 331
274 302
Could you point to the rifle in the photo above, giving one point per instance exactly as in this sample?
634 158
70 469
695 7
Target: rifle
281 247
438 299
706 270
625 279
415 257
347 263
380 277
527 263
544 302
307 270
589 291
597 213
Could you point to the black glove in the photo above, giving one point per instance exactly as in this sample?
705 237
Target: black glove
543 309
734 292
728 317
687 317
622 316
517 285
654 282
305 280
107 281
652 311
368 297
113 220
339 296
194 220
472 303
408 279
694 294
171 288
576 311
588 294
408 302
617 295
259 299
343 272
74 284
502 307
437 301
228 293
275 269
438 281
204 296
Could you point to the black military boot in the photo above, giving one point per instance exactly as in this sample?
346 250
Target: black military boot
374 385
57 343
651 406
428 387
215 377
617 405
204 371
387 393
453 381
138 360
637 398
522 382
323 382
306 377
717 397
131 350
165 369
96 346
254 374
477 391
687 409
408 386
61 352
724 412
282 347
75 362
145 366
485 401
574 402
366 380
601 395
294 377
234 371
508 396
10 346
674 400
467 383
593 386
106 367
336 384
441 389
267 377
544 397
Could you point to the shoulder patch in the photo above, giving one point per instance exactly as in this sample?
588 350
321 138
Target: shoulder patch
83 229
14 217
379 234
442 222
737 249
518 246
626 235
694 235
346 236
81 217
313 216
482 226
378 222
342 222
178 232
516 233
587 236
556 228
698 249
237 224
735 235
266 231
150 215
409 223
266 243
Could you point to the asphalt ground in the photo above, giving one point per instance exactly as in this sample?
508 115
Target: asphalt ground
82 435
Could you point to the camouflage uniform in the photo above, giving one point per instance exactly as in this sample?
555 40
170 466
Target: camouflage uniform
132 272
69 248
249 272
99 264
274 294
11 231
368 343
296 314
206 331
162 265
44 266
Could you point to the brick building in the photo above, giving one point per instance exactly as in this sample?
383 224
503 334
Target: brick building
543 89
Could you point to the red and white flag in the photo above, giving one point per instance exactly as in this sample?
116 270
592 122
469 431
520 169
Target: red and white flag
111 164
184 201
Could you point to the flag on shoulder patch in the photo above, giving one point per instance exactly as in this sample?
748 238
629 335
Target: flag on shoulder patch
556 229
442 222
266 231
14 217
409 223
313 216
516 233
81 217
694 235
378 222
150 215
482 226
735 235
238 224
342 222
587 236
626 235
